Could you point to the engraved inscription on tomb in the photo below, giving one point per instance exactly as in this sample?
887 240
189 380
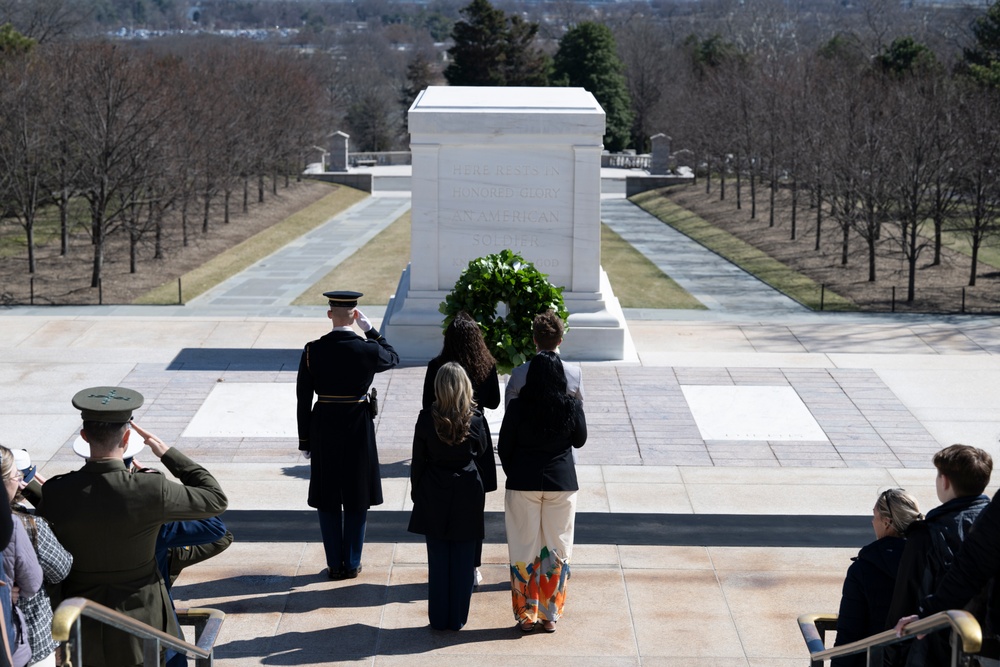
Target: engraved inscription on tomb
507 200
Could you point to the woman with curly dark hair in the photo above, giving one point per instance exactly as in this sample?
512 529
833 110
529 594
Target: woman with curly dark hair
447 494
539 431
464 344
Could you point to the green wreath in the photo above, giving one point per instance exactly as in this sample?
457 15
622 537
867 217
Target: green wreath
504 278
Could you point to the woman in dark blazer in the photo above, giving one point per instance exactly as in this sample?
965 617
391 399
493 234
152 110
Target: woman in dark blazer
464 344
448 496
539 431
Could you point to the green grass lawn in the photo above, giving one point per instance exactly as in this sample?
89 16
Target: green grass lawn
256 247
779 276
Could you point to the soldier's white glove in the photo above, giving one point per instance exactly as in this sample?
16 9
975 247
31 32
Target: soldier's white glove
362 320
307 455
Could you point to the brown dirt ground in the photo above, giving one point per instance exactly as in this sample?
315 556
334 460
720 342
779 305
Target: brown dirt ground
66 280
938 288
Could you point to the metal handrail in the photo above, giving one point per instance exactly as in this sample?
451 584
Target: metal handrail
207 622
962 623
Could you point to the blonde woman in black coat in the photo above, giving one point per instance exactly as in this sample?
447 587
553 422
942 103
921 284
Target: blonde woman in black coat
447 494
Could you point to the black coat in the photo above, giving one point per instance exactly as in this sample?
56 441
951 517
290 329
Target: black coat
445 486
338 430
931 547
537 462
976 569
867 592
486 394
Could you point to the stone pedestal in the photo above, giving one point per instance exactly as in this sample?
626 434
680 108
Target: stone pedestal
516 168
336 160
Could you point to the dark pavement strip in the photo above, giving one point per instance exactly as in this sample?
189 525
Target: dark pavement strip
709 530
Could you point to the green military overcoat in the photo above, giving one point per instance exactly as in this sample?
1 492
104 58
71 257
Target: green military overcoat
108 518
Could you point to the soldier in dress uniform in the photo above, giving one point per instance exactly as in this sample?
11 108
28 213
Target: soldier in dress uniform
337 434
108 516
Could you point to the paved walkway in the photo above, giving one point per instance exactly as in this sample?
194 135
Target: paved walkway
282 277
715 282
704 528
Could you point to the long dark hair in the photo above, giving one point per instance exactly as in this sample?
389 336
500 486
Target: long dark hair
464 344
546 404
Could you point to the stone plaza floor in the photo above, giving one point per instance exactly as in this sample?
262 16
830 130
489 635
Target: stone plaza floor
728 478
690 551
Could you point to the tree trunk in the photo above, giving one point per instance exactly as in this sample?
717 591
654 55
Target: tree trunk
938 225
739 185
975 259
819 214
208 210
260 188
843 245
722 182
158 238
184 222
871 260
795 205
911 282
225 206
773 195
708 175
64 222
29 229
246 194
753 194
133 245
95 276
274 183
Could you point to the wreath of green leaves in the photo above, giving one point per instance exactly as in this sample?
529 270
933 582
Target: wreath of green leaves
504 277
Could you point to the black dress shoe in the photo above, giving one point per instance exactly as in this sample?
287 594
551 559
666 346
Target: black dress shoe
334 575
352 574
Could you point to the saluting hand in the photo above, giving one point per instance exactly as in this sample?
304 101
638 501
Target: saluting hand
362 321
156 445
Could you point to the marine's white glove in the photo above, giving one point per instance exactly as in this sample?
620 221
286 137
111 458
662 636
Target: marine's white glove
307 455
362 320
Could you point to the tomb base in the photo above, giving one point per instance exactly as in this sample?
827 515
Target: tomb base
597 327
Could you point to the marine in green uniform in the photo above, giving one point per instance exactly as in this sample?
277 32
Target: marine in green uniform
108 517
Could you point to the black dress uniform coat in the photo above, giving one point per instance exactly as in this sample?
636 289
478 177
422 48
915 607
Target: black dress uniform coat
338 430
108 517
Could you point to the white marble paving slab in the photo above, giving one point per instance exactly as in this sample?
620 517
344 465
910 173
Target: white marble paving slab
246 410
751 413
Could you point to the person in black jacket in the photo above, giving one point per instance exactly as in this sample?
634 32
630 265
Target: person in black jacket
931 545
447 494
464 344
337 433
539 431
871 577
976 569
